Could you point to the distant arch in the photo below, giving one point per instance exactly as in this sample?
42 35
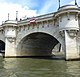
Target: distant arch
2 45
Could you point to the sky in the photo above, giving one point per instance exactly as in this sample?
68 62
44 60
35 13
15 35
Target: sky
29 8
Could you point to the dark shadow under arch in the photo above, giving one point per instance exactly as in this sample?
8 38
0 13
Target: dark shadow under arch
2 46
37 44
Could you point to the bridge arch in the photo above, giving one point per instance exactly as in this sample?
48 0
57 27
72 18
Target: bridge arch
2 46
37 44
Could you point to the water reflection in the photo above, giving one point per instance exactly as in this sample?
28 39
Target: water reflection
33 67
22 67
10 65
73 68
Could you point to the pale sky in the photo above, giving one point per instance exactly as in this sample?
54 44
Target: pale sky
29 8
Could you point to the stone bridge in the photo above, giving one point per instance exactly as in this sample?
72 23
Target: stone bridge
20 38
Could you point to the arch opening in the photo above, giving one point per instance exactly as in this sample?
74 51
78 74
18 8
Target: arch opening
2 47
37 44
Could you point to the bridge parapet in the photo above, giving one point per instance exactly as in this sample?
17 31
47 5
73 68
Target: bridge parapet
38 19
9 23
68 7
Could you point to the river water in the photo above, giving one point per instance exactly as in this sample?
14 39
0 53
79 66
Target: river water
38 67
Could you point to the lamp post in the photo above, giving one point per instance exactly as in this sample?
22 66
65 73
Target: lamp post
75 2
16 15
